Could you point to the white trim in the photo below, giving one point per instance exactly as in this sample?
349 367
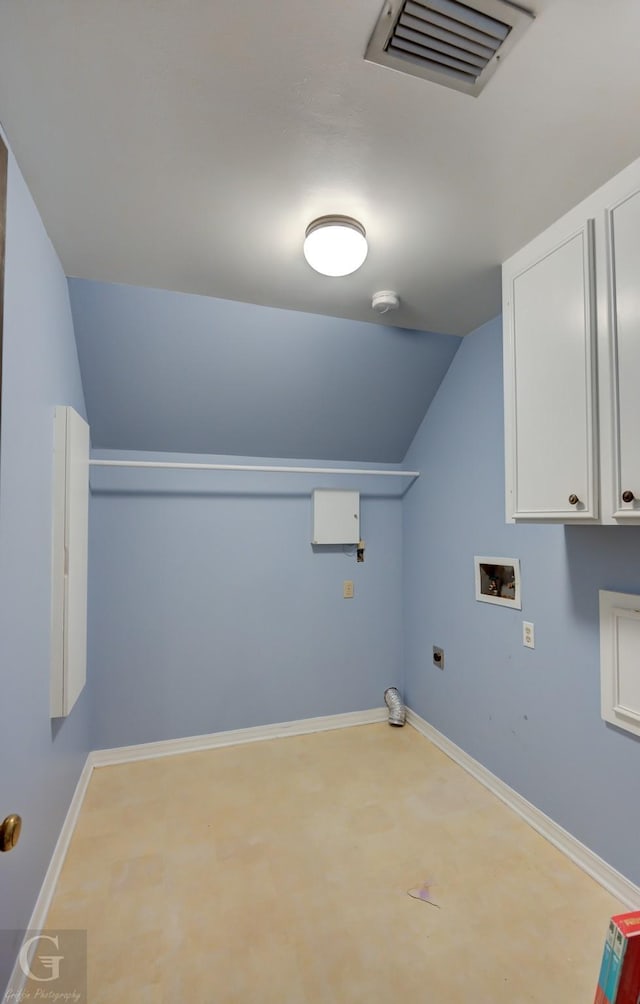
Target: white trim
39 915
171 747
164 465
607 876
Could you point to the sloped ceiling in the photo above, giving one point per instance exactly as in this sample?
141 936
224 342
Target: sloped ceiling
173 372
186 145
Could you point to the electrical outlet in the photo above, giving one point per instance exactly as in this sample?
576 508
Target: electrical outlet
438 657
528 635
347 589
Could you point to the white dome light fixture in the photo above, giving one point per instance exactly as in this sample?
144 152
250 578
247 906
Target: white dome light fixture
335 245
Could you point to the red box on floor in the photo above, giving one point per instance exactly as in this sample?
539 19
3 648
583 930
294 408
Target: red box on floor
619 979
628 982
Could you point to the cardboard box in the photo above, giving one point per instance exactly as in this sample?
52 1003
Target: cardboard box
628 978
619 977
601 991
615 966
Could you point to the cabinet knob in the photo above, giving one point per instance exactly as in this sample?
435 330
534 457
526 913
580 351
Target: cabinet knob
573 500
628 496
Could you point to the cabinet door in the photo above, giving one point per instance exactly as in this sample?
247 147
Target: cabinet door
550 386
624 278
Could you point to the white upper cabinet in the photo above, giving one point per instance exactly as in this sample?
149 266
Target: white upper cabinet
571 308
623 232
550 351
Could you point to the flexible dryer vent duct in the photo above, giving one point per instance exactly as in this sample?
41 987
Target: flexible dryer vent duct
397 711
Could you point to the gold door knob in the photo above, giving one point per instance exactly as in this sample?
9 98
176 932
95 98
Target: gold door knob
10 832
628 496
573 500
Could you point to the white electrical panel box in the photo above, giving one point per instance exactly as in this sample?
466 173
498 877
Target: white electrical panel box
619 659
336 517
70 552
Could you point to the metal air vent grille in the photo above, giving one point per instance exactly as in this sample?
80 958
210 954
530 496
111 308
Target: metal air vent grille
451 43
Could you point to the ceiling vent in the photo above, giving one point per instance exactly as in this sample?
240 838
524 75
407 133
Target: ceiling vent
455 44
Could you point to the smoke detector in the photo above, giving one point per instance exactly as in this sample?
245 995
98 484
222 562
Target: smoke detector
384 301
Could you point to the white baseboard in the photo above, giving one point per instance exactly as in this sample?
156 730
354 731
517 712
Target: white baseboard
611 879
39 915
192 744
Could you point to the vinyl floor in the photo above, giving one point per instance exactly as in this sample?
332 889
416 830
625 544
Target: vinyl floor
278 873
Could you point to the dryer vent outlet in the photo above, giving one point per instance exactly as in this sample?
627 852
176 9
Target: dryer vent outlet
397 710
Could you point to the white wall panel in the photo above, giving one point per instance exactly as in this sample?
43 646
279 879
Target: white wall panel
336 516
70 553
620 659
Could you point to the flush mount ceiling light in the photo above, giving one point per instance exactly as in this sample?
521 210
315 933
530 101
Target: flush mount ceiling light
335 245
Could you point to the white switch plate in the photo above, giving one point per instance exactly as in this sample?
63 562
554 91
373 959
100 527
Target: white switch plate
528 635
347 589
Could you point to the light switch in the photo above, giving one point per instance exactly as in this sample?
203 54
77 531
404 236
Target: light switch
347 589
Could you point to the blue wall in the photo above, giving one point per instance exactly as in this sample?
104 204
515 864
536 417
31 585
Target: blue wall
40 760
196 374
209 609
531 716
